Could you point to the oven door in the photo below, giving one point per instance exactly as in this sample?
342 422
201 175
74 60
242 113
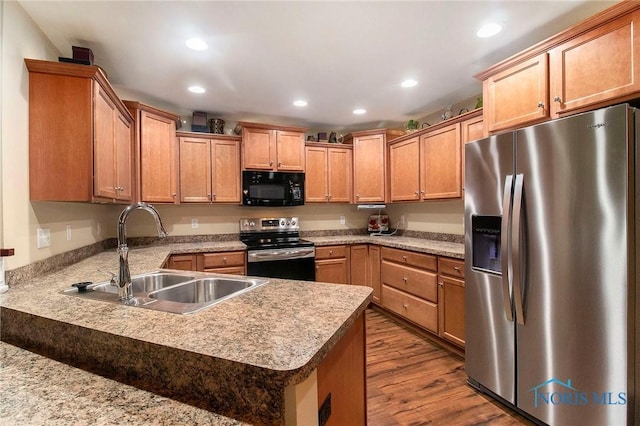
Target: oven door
294 263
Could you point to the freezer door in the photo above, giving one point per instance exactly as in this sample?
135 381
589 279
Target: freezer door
573 283
490 339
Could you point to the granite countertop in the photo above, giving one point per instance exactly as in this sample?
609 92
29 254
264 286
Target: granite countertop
39 390
264 340
440 248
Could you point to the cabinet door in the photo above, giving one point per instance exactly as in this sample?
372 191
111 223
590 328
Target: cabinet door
104 162
451 306
183 262
316 190
339 175
124 157
404 170
359 264
158 159
518 95
332 271
599 65
226 171
290 151
441 163
375 273
258 149
472 129
369 169
195 170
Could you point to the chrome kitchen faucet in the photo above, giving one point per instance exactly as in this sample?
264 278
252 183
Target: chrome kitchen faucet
125 290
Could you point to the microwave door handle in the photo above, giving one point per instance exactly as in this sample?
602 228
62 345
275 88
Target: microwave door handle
518 194
504 244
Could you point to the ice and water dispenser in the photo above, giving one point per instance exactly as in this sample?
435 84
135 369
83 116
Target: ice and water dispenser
486 243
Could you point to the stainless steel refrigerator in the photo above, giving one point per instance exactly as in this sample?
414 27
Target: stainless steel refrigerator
552 264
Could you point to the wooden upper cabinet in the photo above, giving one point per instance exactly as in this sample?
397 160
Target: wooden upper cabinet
590 65
80 135
518 95
472 129
370 164
209 168
329 174
277 148
440 161
404 170
157 153
601 64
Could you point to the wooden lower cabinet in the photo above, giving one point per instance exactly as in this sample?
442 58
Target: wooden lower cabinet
426 290
365 268
333 264
451 300
342 375
183 262
232 262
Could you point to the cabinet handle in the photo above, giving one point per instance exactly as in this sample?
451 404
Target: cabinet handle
541 104
404 258
457 268
557 99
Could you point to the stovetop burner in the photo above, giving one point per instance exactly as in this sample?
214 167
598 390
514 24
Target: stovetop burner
263 233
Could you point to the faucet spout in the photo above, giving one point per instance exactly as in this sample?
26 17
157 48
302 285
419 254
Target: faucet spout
125 291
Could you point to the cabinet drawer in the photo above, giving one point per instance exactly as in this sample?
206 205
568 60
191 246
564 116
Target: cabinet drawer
425 261
415 281
410 307
331 252
223 259
233 270
451 267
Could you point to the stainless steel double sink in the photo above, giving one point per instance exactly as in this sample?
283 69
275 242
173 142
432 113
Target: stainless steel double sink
175 292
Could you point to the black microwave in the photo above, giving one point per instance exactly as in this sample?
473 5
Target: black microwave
274 189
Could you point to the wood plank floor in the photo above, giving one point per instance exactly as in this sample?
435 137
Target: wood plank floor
411 381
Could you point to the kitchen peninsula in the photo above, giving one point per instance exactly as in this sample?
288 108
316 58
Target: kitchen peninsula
258 357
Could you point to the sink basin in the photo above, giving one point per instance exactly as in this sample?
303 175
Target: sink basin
180 293
143 284
203 290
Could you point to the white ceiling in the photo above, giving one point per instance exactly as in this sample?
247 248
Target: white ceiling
337 55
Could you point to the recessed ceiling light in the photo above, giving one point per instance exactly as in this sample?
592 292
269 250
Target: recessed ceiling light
300 103
409 83
196 44
359 111
488 30
196 89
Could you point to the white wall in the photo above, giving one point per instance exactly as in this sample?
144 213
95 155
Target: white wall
21 38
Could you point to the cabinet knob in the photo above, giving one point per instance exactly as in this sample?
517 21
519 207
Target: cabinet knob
417 192
224 260
329 196
404 258
279 164
557 99
330 251
174 195
405 306
404 279
357 195
540 104
456 268
271 163
441 284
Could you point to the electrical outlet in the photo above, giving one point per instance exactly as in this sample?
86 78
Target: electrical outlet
43 238
402 220
342 221
68 232
194 223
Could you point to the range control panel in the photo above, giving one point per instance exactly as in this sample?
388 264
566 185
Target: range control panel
269 224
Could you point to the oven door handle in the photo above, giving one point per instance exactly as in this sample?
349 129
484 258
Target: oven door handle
263 256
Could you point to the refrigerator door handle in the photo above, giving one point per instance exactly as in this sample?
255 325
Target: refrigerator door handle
504 243
515 247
